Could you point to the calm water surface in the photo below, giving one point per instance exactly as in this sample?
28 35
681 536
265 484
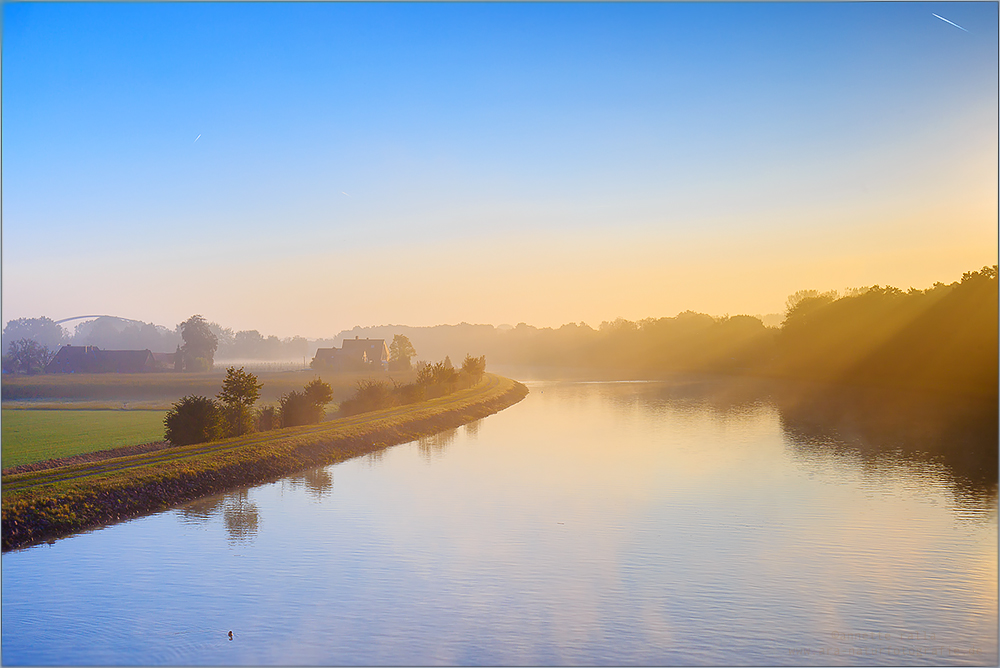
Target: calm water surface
593 523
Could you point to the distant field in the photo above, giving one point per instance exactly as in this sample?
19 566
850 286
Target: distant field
161 389
35 435
60 415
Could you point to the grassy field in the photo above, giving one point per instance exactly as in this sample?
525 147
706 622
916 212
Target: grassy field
61 415
162 389
52 502
35 435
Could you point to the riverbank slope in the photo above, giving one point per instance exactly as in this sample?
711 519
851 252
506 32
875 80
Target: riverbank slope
46 504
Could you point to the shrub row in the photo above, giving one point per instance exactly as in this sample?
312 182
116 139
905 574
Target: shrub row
433 380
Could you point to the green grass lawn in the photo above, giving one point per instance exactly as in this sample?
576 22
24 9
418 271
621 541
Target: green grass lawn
35 435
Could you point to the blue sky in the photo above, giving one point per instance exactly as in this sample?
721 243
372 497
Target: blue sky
304 168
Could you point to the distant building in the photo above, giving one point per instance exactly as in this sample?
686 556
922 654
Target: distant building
91 359
354 355
165 361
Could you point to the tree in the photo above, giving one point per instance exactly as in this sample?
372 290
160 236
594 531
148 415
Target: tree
474 367
240 391
305 407
47 333
294 409
425 373
200 343
28 356
370 395
193 420
319 395
267 419
400 353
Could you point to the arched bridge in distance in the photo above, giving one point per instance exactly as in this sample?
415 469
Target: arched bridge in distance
87 317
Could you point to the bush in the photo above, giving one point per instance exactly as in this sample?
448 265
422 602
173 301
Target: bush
305 407
296 409
268 419
474 368
199 364
193 420
371 395
319 395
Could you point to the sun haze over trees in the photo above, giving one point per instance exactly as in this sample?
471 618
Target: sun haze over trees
942 338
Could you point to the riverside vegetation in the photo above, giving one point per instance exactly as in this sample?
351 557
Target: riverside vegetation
197 419
44 504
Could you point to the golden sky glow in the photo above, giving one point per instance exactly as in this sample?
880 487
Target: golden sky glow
576 163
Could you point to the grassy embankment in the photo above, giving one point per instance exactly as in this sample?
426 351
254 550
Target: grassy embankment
63 415
46 504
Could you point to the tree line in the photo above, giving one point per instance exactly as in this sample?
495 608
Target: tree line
233 412
110 333
944 337
433 380
941 338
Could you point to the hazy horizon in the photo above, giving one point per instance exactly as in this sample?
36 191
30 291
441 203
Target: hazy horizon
302 169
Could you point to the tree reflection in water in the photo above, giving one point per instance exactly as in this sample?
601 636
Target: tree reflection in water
434 445
317 481
240 516
472 428
201 510
948 435
956 445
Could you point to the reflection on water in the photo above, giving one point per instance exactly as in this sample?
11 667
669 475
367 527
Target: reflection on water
693 523
435 444
201 510
472 429
317 481
240 516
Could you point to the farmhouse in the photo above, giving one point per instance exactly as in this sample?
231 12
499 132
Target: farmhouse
354 354
91 359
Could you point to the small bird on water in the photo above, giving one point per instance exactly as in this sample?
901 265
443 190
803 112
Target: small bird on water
230 635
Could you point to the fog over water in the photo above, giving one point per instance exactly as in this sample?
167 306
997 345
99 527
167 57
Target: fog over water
592 523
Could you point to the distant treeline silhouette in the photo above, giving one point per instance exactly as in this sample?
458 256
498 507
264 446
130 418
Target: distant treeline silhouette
942 338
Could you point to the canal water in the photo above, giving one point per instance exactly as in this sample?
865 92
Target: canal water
592 523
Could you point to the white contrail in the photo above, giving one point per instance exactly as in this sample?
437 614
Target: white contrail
196 138
947 21
343 193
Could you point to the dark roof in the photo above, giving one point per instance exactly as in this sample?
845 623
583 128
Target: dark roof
375 348
91 359
354 351
164 360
